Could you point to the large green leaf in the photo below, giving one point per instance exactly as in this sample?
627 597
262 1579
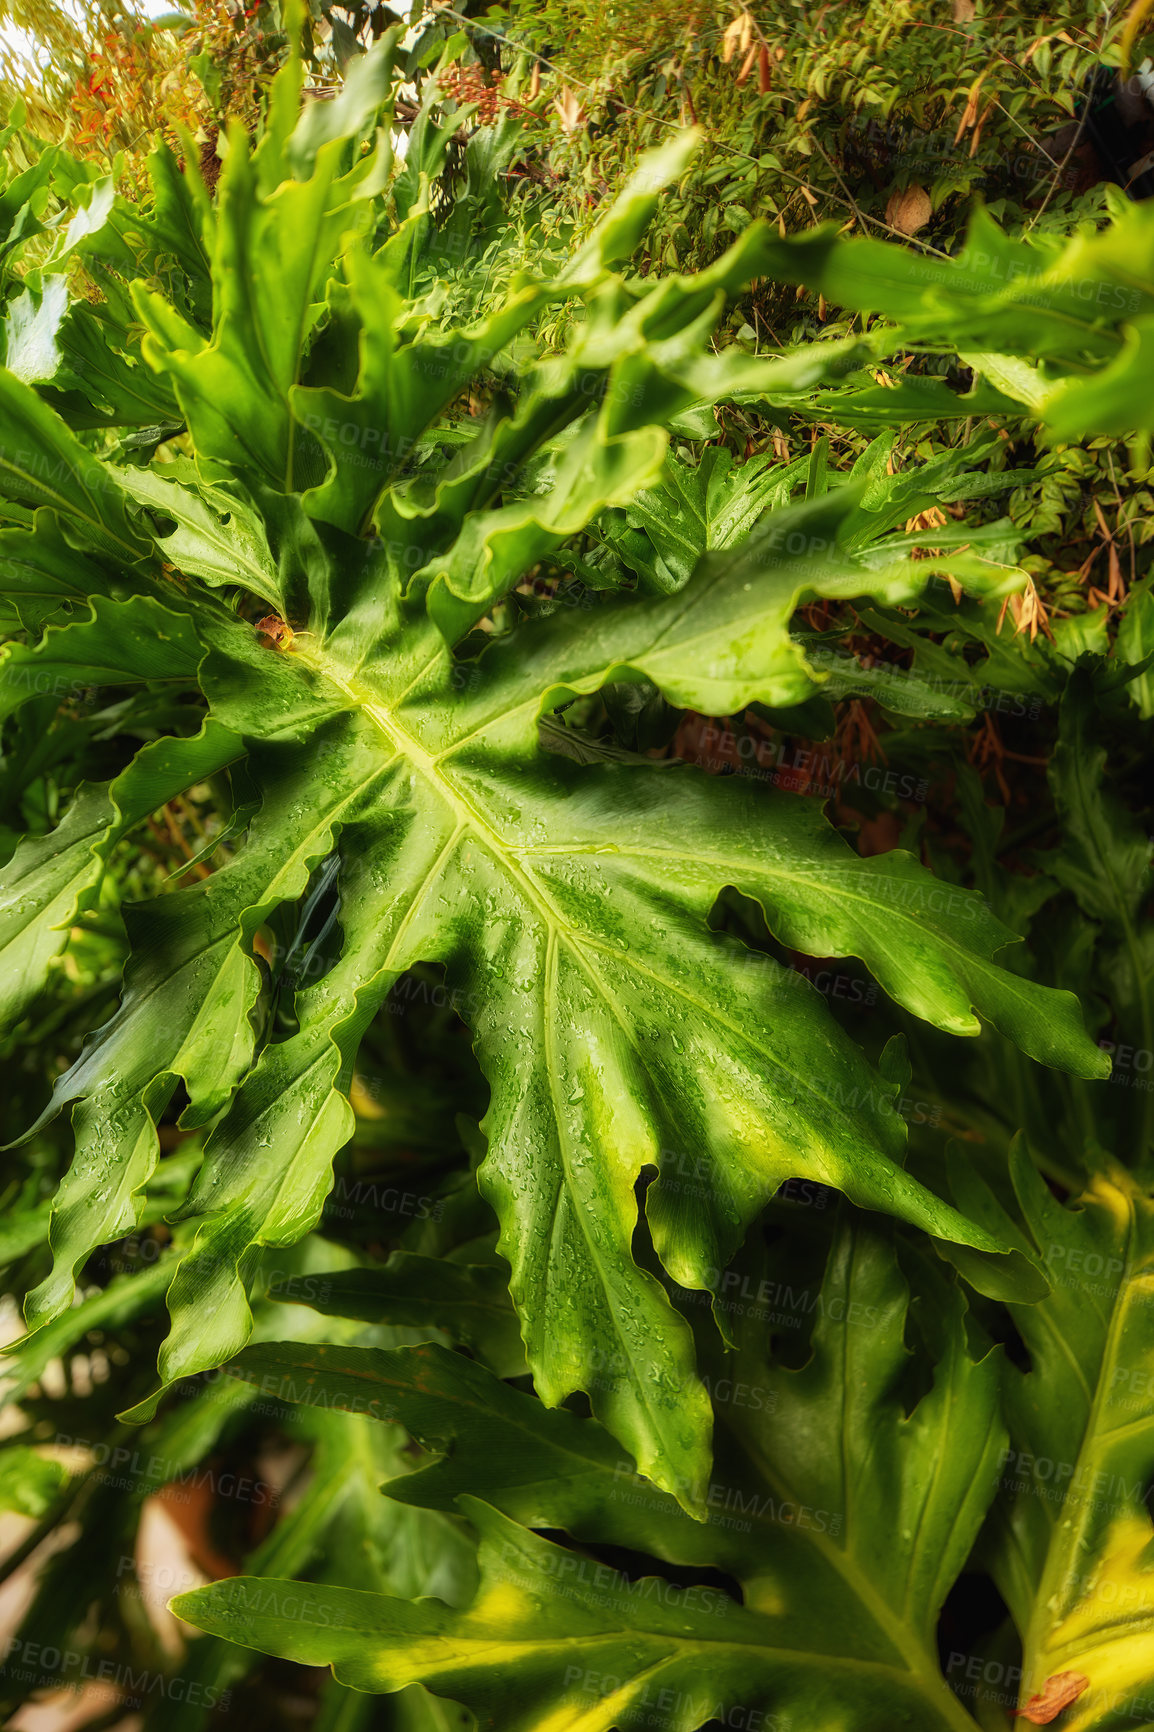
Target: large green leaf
217 537
1063 326
1070 1546
568 903
587 889
132 642
50 879
277 236
1104 862
844 1555
542 1466
715 505
43 464
470 1300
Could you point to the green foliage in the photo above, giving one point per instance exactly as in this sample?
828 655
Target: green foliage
844 110
574 935
875 115
441 1056
843 1562
1059 326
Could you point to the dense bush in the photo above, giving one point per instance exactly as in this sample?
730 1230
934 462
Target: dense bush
564 871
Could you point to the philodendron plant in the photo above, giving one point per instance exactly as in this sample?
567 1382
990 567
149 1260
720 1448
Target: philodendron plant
304 587
316 540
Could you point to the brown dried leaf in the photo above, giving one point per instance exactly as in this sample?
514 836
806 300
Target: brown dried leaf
569 109
986 113
964 11
970 111
747 64
763 70
1057 1693
729 39
909 210
931 518
1029 613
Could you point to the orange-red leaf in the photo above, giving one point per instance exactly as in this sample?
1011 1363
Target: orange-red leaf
1057 1693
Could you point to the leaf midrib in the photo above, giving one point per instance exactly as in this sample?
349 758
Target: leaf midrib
1066 1536
469 818
552 920
913 1652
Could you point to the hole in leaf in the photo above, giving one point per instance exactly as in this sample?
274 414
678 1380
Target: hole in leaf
978 1649
999 1324
635 1566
